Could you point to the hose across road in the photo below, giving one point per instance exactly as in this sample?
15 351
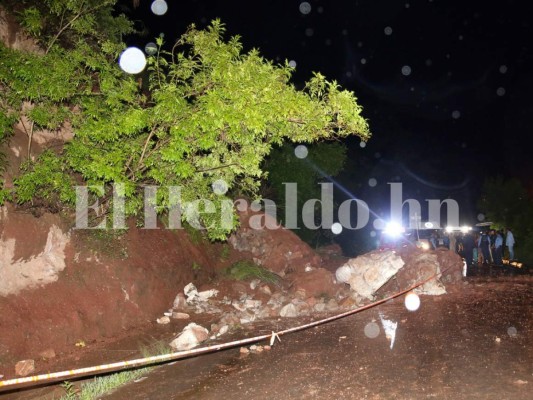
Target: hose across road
35 380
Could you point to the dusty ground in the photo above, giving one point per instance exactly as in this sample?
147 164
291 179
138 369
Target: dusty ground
456 346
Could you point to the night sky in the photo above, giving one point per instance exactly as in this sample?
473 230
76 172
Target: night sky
446 85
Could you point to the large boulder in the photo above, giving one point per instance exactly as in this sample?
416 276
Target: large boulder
419 266
367 273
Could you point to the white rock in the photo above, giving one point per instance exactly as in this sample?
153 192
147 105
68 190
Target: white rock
163 320
224 329
192 335
288 311
207 294
238 305
367 273
191 292
252 303
254 284
180 315
265 289
179 302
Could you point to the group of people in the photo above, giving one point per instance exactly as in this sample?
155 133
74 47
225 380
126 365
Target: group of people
486 248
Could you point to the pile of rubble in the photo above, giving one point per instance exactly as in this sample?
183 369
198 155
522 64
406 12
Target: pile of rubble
314 291
243 304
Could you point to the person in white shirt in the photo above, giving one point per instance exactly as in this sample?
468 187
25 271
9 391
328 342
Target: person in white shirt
509 242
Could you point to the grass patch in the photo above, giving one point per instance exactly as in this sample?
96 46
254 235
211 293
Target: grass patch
101 385
247 270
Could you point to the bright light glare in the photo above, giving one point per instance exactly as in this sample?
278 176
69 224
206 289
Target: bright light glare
449 229
393 229
132 60
465 229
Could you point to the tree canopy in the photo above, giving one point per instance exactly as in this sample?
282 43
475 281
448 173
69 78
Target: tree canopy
320 162
211 112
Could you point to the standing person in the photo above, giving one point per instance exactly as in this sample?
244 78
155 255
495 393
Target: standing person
453 242
492 239
484 246
498 248
468 247
509 242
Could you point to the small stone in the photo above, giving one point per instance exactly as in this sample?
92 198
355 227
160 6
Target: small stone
300 294
254 283
288 311
497 340
179 302
224 329
47 354
163 320
244 350
348 302
266 290
180 315
24 367
256 349
319 307
267 347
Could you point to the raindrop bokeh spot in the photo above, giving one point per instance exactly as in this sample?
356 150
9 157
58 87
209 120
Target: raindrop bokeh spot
336 228
379 224
159 7
150 48
220 186
301 151
412 302
372 330
305 7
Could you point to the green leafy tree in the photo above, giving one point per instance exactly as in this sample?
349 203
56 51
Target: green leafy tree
211 113
506 203
323 160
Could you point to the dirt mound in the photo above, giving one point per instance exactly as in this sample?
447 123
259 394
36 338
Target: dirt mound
279 250
110 282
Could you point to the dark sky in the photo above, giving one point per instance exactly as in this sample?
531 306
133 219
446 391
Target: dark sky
446 85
